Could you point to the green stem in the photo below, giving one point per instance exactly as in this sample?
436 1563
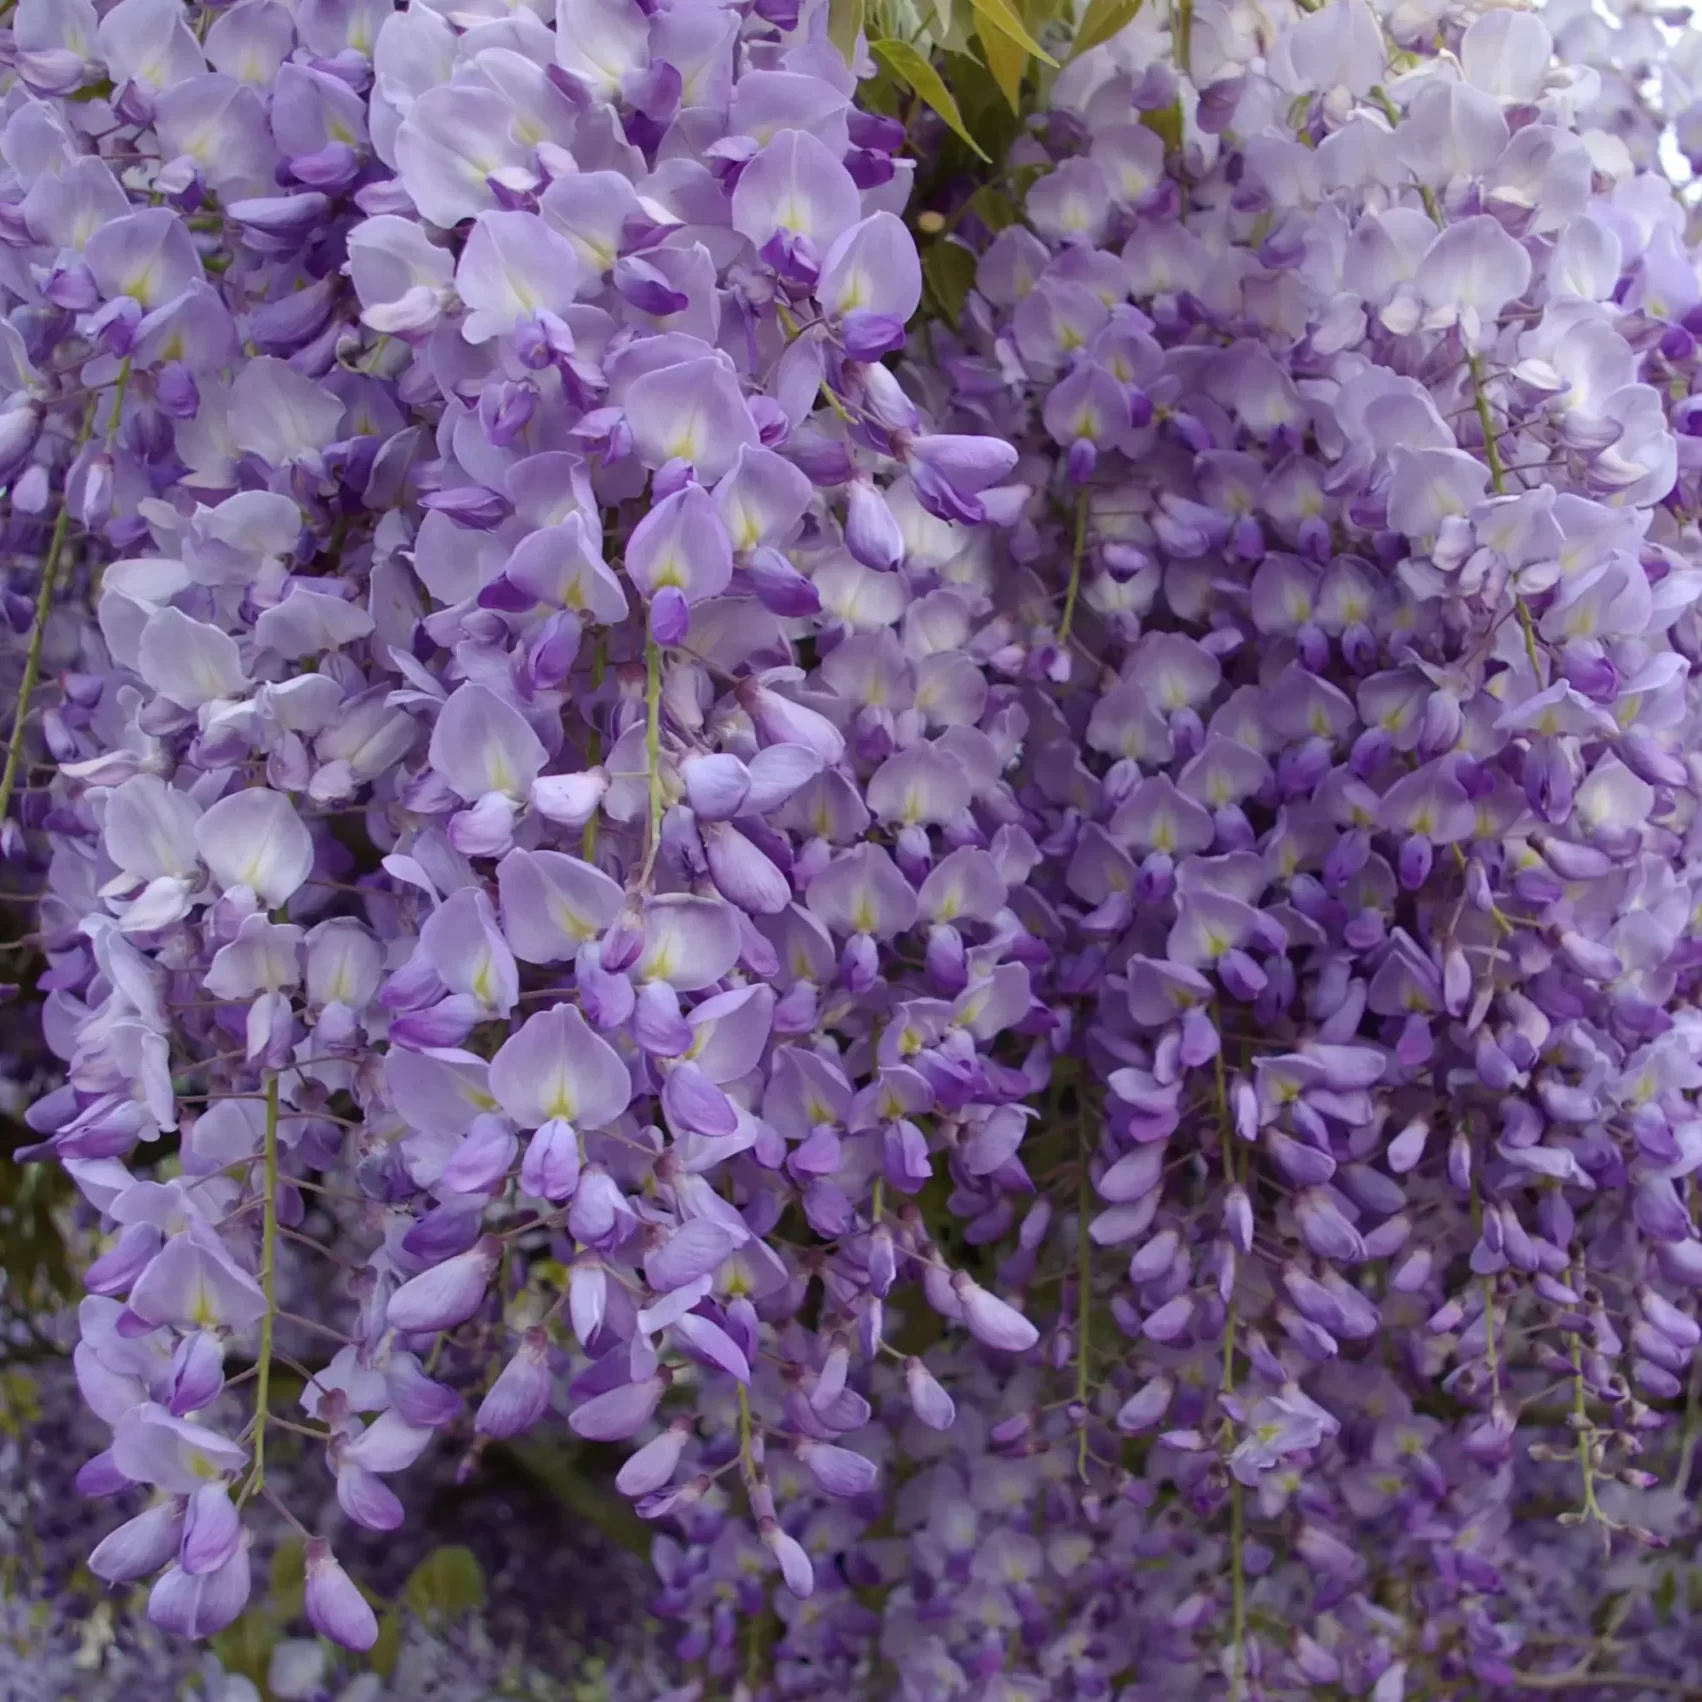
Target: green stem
1491 1356
1581 1422
653 744
1237 1591
1084 1291
756 1644
43 602
1491 449
746 1458
268 1285
1480 401
1237 1510
594 747
1498 480
1585 1677
1075 569
1227 1138
652 734
118 393
1530 633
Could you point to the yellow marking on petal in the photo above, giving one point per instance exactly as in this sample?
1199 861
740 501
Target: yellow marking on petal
569 920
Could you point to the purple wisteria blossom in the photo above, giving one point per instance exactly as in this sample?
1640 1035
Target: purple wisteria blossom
1014 897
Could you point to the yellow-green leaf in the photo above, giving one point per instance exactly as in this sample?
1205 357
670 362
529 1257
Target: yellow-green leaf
994 208
383 1655
246 1646
910 67
844 25
1102 20
448 1582
949 271
1006 60
563 1470
1002 16
289 1566
288 1579
1166 123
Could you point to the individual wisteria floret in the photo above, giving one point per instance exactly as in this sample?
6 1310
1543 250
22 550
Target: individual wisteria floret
1042 951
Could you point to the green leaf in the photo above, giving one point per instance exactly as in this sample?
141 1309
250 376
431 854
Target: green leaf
993 208
576 1482
447 1583
906 63
1666 1596
1007 60
289 1566
987 116
844 25
246 1646
1166 123
1002 16
1102 20
383 1655
949 271
288 1585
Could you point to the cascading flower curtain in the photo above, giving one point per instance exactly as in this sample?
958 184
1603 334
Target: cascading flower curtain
934 767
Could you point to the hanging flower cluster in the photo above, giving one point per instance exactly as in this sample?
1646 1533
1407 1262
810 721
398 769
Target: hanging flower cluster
1043 952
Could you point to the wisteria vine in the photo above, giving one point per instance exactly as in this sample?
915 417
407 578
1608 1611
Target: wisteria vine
996 861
